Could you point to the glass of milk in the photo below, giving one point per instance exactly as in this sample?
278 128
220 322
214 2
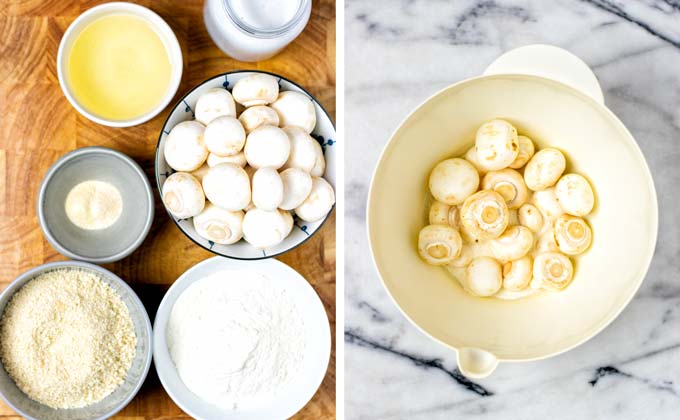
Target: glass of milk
253 30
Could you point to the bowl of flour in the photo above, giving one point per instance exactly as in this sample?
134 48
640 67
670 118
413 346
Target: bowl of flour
241 340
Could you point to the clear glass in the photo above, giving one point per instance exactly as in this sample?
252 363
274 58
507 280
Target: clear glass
253 30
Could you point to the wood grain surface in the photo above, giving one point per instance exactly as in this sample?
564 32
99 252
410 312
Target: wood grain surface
38 125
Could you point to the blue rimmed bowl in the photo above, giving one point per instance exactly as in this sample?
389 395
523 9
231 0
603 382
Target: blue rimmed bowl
324 133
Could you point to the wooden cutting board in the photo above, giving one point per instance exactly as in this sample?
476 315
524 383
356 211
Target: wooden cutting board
38 125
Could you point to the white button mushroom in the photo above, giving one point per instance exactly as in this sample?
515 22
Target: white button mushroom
320 163
453 180
185 147
463 259
513 217
496 145
484 276
182 195
544 169
546 202
225 136
484 215
256 89
218 225
295 109
572 234
575 195
297 184
546 242
552 271
439 244
303 149
267 146
513 244
264 229
318 203
267 189
509 184
200 172
288 219
517 274
227 185
471 156
256 116
526 151
530 217
214 103
443 214
237 159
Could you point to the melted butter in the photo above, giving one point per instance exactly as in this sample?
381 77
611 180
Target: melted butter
118 67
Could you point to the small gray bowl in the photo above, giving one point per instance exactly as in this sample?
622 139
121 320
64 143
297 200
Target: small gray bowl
115 401
97 246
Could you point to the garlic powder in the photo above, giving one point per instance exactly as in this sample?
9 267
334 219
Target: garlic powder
93 205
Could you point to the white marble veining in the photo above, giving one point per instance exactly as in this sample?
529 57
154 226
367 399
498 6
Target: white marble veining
400 52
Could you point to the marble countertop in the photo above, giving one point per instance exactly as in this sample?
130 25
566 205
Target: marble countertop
399 52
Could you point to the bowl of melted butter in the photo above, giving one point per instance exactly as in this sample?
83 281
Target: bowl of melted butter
119 64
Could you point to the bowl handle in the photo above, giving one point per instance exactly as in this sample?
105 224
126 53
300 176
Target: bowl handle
476 363
549 62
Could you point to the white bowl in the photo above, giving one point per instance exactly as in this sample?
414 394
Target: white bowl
316 355
554 109
162 29
324 133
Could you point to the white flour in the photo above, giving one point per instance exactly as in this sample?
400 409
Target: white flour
236 338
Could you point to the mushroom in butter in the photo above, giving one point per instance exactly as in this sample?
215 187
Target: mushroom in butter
484 215
575 195
496 145
439 244
544 169
453 180
484 276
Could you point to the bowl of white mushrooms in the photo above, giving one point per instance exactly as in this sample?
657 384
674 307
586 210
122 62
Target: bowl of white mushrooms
505 219
512 216
245 165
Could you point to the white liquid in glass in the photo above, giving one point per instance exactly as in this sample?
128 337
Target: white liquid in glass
256 29
265 14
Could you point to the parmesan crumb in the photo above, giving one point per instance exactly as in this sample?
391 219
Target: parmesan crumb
67 339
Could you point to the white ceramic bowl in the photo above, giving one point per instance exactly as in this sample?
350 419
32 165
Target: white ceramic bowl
316 355
324 133
563 109
167 36
122 395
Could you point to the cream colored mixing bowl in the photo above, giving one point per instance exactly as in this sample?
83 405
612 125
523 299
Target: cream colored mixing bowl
553 97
